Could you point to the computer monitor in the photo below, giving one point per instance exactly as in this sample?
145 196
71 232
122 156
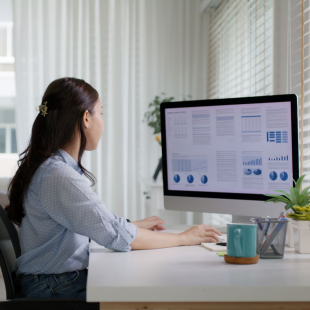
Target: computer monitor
224 155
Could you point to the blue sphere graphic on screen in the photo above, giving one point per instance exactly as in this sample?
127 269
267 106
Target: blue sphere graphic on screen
190 179
273 175
283 176
247 171
257 171
176 178
204 179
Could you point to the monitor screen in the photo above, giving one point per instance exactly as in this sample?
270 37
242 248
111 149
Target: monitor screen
239 148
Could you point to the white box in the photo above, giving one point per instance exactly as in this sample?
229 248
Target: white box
301 236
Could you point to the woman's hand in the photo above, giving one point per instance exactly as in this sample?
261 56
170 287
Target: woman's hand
198 234
151 223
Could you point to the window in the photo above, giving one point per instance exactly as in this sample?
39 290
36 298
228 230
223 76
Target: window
7 131
300 75
8 148
7 80
240 49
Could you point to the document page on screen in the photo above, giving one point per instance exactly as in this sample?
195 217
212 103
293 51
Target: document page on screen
245 148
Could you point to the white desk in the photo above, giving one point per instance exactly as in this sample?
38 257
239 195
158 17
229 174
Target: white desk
191 277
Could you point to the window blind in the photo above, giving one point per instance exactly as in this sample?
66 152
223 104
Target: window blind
240 54
300 75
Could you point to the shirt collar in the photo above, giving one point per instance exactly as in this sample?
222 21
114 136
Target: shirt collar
69 160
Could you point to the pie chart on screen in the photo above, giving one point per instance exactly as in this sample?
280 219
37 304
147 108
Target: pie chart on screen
190 179
176 178
247 171
204 179
283 176
273 175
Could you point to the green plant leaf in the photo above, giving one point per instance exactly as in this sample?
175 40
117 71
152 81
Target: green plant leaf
152 124
273 195
305 201
152 117
280 198
305 190
301 199
167 99
284 194
157 129
274 200
288 206
299 182
294 193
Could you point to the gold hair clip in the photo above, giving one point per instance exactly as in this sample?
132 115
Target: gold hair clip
42 108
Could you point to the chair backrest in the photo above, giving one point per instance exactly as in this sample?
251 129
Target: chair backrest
4 199
9 251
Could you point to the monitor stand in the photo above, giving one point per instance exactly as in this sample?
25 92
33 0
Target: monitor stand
241 219
235 219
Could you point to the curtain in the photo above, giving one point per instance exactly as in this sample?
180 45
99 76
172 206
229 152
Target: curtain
129 51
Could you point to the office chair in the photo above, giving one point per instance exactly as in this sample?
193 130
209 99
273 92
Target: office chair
9 251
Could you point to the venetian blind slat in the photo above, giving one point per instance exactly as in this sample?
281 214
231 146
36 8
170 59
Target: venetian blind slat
241 49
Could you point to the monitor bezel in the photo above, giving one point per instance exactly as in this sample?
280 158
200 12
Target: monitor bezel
292 98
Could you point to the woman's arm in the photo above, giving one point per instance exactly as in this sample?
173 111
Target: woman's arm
151 223
147 239
69 200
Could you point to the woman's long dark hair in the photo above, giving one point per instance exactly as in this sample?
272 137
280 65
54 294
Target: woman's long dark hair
67 100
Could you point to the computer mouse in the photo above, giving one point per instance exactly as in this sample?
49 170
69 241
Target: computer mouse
221 239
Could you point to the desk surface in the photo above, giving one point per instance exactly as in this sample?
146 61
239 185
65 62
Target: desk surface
193 274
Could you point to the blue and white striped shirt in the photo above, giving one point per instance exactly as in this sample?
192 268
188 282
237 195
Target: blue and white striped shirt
61 213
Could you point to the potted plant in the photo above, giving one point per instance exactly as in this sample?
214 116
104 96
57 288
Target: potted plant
152 117
297 201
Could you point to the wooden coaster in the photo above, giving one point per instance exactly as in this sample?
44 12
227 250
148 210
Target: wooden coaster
241 260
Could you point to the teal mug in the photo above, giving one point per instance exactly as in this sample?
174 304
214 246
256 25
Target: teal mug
241 240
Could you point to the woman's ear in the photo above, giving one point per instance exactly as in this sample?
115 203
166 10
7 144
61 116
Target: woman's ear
86 119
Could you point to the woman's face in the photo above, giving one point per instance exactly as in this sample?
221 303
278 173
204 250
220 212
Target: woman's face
94 126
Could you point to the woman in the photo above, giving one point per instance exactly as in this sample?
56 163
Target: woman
56 209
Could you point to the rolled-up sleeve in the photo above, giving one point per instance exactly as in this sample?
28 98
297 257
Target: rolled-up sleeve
69 200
